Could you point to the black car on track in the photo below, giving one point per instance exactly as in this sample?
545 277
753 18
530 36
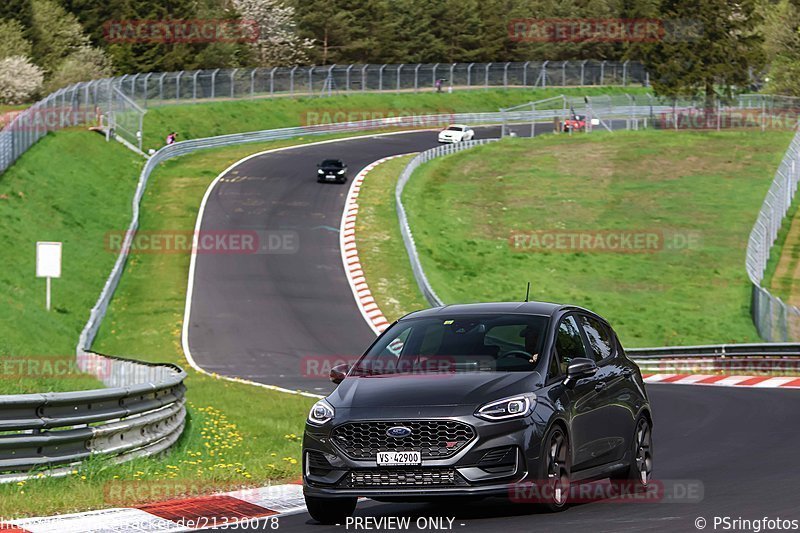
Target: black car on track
480 400
332 170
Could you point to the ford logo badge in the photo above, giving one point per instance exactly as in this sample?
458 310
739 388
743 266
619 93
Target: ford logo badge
398 432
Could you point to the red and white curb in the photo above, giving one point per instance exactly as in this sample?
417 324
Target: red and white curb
352 265
258 508
719 380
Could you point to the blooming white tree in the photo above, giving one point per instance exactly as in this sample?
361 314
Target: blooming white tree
278 42
19 79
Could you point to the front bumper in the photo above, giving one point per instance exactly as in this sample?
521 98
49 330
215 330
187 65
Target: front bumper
499 457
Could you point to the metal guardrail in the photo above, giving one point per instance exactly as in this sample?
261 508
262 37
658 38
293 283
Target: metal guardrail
142 413
759 359
119 103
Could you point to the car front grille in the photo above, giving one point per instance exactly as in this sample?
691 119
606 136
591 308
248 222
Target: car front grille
435 439
409 477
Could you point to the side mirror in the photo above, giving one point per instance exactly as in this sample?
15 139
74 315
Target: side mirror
580 367
338 373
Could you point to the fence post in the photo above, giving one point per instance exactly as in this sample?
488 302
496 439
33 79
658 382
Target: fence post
194 84
505 76
214 83
272 80
291 81
146 84
452 67
544 74
253 83
603 72
380 77
311 80
416 77
347 76
583 69
233 86
469 74
525 73
625 73
364 78
399 68
564 73
486 76
433 75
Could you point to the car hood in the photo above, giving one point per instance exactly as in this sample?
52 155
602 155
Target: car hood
445 389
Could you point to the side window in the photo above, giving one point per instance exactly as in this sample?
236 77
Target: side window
600 340
569 344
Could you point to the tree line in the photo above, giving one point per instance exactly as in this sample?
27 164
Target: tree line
707 47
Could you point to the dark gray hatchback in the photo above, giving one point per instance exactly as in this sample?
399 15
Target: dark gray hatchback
499 399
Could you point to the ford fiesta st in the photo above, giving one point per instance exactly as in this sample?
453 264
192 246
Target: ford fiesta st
477 400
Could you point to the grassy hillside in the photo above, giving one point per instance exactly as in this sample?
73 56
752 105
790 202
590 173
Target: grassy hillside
696 194
192 121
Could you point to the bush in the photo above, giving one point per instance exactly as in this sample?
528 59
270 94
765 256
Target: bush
19 80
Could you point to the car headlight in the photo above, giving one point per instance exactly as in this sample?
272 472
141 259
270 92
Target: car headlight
341 172
320 171
518 406
321 413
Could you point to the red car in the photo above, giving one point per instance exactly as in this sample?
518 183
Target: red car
575 123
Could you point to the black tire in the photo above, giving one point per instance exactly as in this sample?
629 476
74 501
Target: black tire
330 510
640 470
555 469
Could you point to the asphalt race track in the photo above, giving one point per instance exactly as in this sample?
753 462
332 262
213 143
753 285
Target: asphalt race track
737 445
270 317
260 317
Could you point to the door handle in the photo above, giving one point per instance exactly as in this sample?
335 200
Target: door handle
627 372
600 386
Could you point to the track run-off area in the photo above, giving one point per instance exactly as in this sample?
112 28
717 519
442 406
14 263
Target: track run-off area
262 317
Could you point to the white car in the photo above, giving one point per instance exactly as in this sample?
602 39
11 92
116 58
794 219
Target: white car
456 133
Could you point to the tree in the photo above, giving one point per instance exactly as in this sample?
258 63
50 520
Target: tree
12 39
278 42
715 55
19 80
56 34
328 26
782 47
86 63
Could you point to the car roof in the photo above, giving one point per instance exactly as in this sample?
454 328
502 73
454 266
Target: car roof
495 308
457 126
332 162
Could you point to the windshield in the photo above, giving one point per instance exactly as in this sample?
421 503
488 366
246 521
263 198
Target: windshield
455 128
331 163
478 343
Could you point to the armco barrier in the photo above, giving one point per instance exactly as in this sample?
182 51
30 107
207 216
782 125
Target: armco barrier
141 413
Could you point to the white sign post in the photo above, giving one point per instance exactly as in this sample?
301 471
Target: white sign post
48 263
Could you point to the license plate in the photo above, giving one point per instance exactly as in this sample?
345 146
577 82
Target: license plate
331 177
399 458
